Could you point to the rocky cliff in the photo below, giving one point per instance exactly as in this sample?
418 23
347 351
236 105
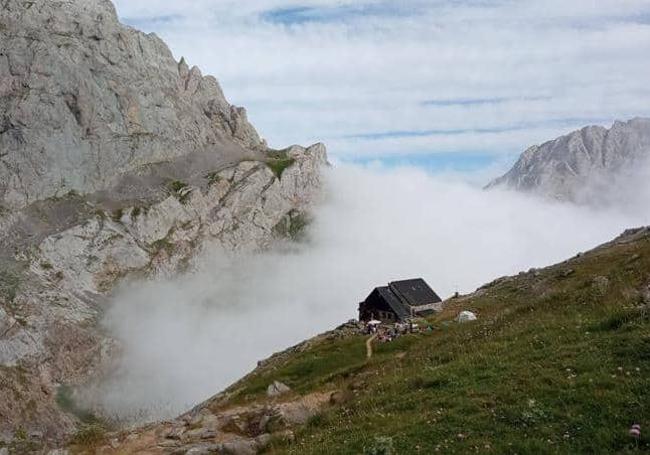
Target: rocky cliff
576 166
86 100
116 161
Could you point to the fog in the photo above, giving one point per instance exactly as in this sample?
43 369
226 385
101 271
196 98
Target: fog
188 338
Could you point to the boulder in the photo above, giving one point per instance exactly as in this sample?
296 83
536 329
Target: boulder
276 389
240 447
205 449
466 316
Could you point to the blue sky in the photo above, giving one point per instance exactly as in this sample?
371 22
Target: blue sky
440 84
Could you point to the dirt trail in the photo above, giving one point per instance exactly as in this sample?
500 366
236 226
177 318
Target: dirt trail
369 345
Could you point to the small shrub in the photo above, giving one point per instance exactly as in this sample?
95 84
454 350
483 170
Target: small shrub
162 244
89 436
9 284
65 401
623 317
46 266
318 420
177 186
292 226
213 178
278 166
181 190
21 434
117 215
383 445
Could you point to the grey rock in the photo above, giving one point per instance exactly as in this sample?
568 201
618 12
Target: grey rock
276 389
466 316
205 449
175 433
263 440
86 99
116 161
240 447
582 166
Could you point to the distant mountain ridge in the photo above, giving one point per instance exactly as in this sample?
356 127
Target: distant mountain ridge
572 166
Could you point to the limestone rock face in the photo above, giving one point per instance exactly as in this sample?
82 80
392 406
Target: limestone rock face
578 166
466 316
84 99
116 162
277 388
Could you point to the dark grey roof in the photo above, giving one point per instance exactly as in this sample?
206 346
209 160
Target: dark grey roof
414 292
402 311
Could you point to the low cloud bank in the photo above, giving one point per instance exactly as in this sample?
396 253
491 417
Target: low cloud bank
188 338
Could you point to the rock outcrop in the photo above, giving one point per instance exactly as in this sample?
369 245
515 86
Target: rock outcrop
579 167
85 100
116 161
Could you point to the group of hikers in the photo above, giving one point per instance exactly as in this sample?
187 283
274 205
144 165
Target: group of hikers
388 332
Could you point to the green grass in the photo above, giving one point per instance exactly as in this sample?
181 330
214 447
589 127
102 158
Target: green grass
162 244
65 401
117 215
88 437
9 284
307 371
213 178
92 431
555 364
279 161
293 226
279 166
180 190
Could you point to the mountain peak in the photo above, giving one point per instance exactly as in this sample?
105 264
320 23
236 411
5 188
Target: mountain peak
562 168
86 100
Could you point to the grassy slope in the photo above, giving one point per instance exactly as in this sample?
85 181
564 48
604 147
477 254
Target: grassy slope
558 362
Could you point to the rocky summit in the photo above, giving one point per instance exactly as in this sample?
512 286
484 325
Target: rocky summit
575 166
86 101
116 161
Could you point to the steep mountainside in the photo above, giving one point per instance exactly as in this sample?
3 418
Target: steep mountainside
85 100
557 362
116 161
575 166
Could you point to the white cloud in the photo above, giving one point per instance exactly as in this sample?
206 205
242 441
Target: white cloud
557 63
186 339
329 79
